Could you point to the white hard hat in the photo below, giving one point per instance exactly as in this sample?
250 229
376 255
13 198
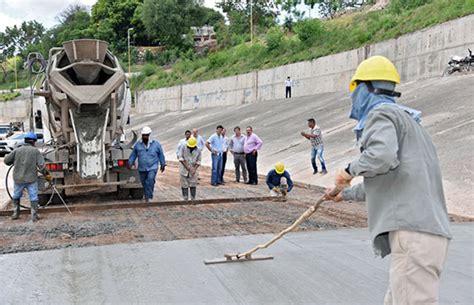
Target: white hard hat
146 130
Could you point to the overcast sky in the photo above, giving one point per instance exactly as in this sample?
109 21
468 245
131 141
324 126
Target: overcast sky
45 11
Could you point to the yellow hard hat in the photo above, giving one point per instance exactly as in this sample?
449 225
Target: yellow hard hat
192 142
375 68
279 168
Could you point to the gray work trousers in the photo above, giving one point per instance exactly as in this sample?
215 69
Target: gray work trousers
239 162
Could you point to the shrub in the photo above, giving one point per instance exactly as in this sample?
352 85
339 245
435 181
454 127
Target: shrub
149 70
274 38
149 57
397 6
309 31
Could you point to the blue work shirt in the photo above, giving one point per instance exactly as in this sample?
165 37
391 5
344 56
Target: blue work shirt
217 142
148 157
273 179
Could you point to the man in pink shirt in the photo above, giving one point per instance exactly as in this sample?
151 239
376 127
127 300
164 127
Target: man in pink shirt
251 147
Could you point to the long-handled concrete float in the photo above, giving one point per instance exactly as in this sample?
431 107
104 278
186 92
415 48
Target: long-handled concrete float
248 255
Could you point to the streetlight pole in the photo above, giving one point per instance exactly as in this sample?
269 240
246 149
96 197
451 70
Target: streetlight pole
129 57
251 21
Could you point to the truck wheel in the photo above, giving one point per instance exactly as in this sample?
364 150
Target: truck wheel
137 193
123 194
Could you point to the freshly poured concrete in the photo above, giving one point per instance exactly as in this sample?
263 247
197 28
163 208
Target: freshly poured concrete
326 267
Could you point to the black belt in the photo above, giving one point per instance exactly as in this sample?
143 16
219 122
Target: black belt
242 153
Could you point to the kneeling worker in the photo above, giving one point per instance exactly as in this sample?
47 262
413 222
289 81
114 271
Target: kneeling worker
189 161
279 181
27 161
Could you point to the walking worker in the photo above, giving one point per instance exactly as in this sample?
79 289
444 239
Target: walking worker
215 144
182 142
279 181
189 161
27 161
200 140
317 146
288 85
225 149
252 145
402 185
149 153
236 147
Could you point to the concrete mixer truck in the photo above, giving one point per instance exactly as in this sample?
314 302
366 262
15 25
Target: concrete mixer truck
87 105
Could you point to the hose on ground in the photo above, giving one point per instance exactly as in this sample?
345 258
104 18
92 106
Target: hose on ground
10 195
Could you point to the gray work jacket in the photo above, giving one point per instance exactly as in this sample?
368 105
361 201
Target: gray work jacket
191 158
402 178
27 161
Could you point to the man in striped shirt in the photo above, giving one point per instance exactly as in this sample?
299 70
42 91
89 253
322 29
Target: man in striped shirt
317 146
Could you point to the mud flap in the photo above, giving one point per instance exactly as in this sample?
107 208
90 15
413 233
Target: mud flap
90 132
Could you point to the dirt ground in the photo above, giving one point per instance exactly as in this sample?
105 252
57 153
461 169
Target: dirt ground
91 228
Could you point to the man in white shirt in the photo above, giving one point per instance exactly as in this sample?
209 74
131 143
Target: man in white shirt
182 142
225 148
288 85
200 140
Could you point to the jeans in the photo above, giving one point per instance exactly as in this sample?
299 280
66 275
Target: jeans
224 161
216 168
31 187
252 167
148 181
318 152
288 92
239 161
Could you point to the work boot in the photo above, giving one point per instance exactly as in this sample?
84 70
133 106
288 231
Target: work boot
185 193
193 193
324 172
34 211
16 209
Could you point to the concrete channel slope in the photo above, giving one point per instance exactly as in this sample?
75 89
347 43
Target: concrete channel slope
448 113
326 267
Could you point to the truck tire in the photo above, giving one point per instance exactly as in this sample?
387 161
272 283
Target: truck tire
137 193
123 194
43 199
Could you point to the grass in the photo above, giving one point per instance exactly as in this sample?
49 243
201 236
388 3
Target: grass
337 35
8 96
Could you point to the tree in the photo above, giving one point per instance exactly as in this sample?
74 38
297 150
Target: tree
264 14
328 8
169 21
111 20
17 40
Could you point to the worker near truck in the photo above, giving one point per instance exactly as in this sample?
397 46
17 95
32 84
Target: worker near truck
189 162
149 154
402 185
279 181
27 161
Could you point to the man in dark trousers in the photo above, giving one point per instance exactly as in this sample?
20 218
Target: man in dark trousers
288 85
252 145
149 153
279 181
27 161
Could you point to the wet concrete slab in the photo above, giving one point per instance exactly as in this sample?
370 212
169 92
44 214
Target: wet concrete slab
322 267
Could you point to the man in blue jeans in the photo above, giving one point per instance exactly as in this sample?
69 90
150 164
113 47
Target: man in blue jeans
149 153
317 146
215 144
27 161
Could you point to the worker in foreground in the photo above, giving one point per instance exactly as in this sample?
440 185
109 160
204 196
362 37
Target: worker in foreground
149 153
27 161
402 185
189 161
279 181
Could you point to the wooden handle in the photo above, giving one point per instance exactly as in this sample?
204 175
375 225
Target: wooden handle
302 218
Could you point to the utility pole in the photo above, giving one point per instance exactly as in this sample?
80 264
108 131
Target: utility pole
16 73
129 56
251 21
